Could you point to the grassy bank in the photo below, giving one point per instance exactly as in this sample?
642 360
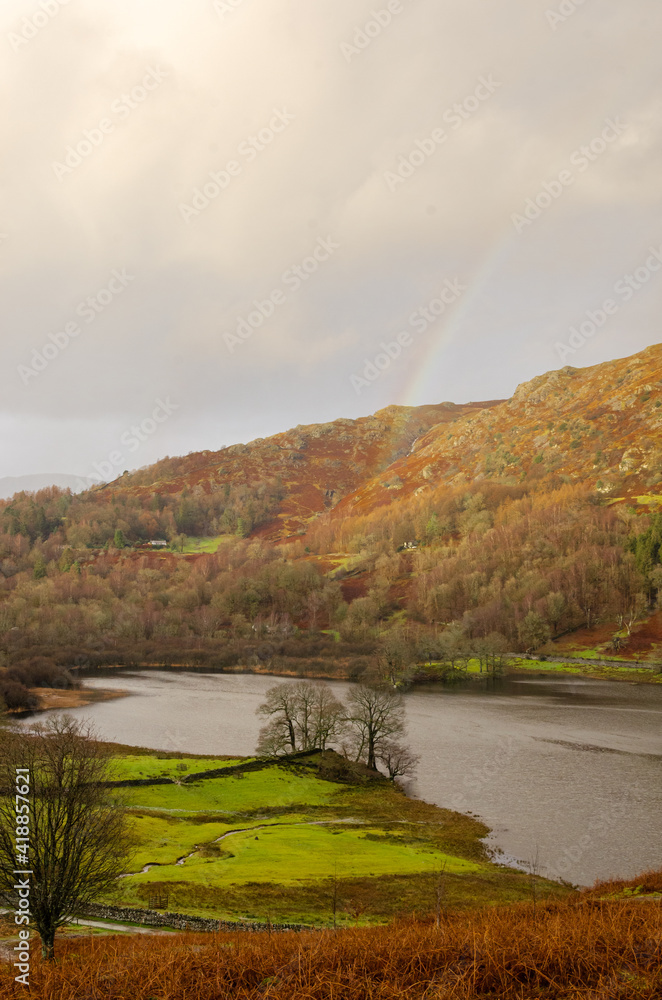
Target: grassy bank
630 674
296 839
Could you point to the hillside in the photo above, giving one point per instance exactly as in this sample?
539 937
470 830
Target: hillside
314 466
443 533
599 426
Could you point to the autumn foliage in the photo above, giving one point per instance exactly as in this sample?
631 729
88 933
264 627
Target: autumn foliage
517 521
586 949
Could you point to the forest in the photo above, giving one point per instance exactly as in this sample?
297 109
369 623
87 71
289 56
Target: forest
456 573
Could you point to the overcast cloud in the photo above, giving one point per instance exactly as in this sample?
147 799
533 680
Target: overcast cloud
123 291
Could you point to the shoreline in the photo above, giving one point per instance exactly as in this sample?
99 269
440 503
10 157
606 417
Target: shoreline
620 671
52 699
617 671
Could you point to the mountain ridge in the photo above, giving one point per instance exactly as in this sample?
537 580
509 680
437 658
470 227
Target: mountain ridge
598 425
573 420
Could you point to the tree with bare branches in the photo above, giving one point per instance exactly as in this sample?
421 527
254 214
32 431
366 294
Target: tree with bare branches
376 717
397 653
302 716
399 760
279 735
78 836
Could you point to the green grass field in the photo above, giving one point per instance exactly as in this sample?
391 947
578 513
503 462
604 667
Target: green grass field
209 545
291 853
590 669
275 788
144 766
272 843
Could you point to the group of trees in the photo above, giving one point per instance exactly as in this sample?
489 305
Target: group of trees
87 597
29 672
94 518
646 547
501 561
496 569
402 649
544 569
369 728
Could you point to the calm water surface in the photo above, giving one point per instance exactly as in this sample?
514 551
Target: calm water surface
567 768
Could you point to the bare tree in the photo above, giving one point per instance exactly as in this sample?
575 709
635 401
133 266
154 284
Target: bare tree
281 708
399 760
376 718
302 716
273 740
78 838
634 613
328 717
396 654
440 894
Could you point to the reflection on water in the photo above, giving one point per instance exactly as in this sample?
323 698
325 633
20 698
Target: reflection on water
565 767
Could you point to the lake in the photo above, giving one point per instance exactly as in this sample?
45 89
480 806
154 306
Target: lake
564 768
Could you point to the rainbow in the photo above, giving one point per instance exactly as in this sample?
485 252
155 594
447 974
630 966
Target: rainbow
420 385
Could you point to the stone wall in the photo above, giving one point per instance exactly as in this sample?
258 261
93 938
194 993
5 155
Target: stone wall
179 921
220 772
135 782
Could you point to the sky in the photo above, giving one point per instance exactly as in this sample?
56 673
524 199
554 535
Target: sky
223 218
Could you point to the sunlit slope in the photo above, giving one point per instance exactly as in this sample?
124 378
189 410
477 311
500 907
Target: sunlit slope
601 426
314 466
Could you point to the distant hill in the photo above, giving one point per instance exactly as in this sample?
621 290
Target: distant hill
9 485
599 427
314 465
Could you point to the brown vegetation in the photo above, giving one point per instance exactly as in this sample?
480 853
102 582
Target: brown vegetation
580 950
62 700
